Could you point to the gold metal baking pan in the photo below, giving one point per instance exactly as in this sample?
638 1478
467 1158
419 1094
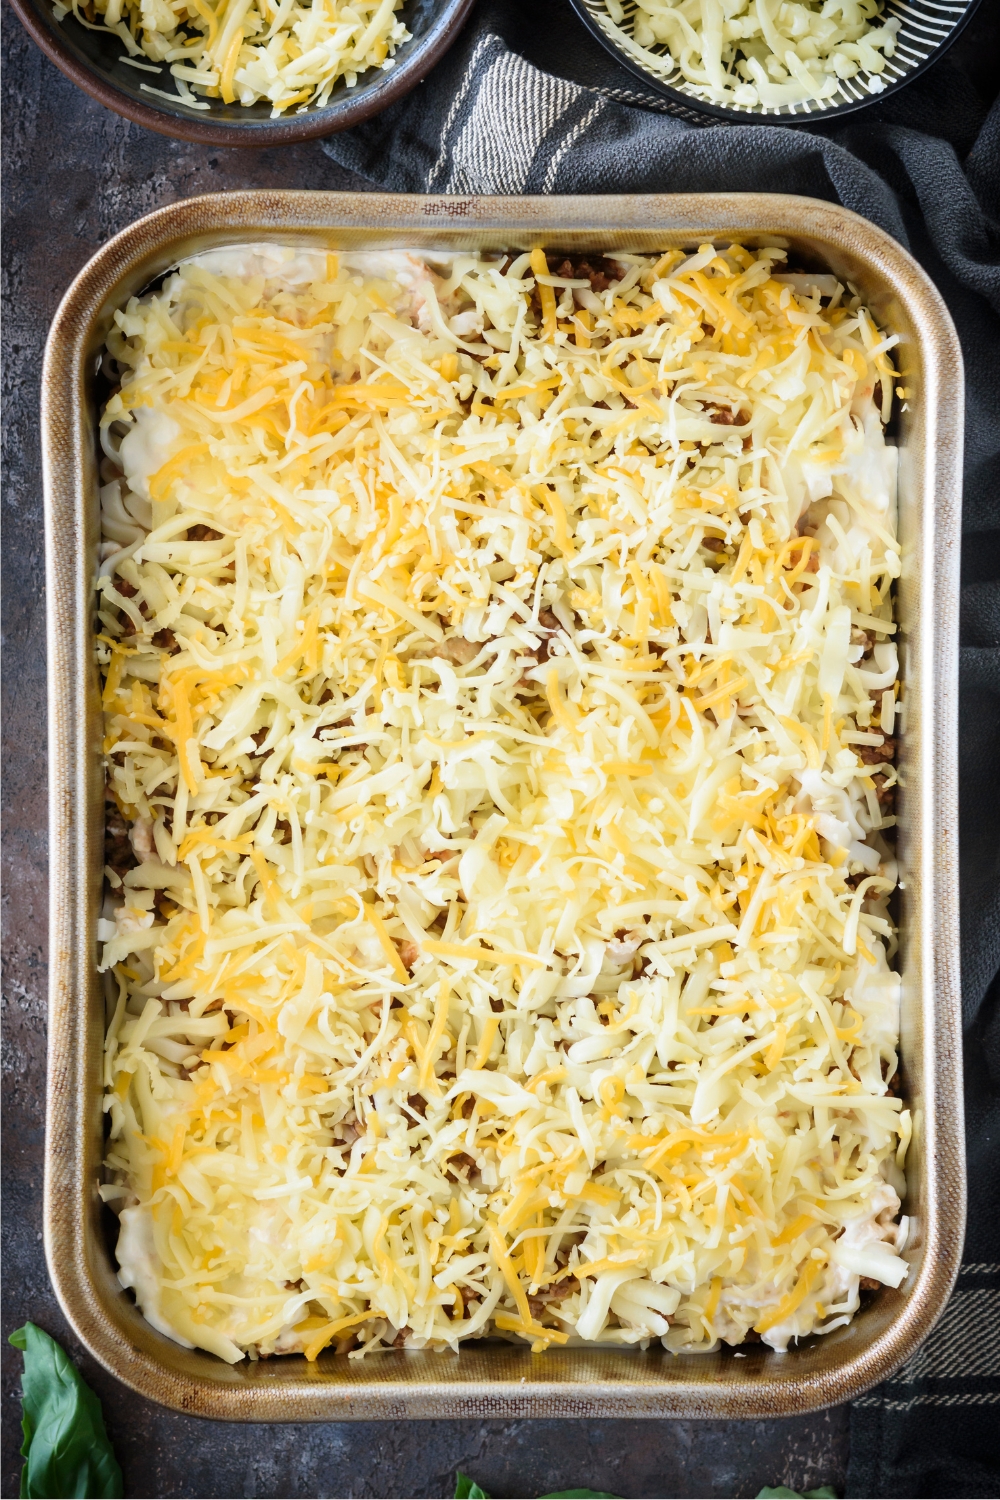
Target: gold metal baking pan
497 1379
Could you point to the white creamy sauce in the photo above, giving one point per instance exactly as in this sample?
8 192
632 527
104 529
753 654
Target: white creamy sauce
150 442
140 1269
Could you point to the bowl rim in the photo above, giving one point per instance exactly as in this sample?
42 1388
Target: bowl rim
45 31
686 104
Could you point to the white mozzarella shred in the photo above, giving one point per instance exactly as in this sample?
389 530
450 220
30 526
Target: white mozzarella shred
750 53
497 938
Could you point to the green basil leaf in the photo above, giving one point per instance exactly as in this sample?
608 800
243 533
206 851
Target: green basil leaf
468 1489
66 1447
579 1495
782 1492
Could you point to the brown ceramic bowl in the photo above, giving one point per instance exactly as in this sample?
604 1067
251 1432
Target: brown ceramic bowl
92 59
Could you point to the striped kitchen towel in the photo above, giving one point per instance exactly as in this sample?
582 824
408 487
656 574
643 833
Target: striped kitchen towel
528 102
934 1428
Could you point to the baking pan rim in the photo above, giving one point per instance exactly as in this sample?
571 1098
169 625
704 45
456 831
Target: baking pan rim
492 1379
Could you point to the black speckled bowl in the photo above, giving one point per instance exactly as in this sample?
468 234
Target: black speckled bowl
927 28
92 60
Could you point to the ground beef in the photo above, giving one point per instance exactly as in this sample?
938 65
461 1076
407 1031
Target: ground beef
129 591
599 272
875 755
118 852
550 1296
202 533
886 794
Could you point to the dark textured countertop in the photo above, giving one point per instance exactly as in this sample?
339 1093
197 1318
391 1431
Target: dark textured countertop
74 175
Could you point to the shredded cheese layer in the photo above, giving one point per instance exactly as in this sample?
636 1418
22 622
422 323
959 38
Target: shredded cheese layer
283 52
499 684
762 52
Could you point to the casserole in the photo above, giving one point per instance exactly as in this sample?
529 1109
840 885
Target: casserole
499 1379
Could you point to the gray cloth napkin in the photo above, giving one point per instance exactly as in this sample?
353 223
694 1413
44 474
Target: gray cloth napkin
528 102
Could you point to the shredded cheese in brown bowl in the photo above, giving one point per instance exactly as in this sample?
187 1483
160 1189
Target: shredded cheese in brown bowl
250 51
244 72
500 689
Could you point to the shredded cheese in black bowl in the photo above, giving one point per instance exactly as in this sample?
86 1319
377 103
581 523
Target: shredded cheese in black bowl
773 60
